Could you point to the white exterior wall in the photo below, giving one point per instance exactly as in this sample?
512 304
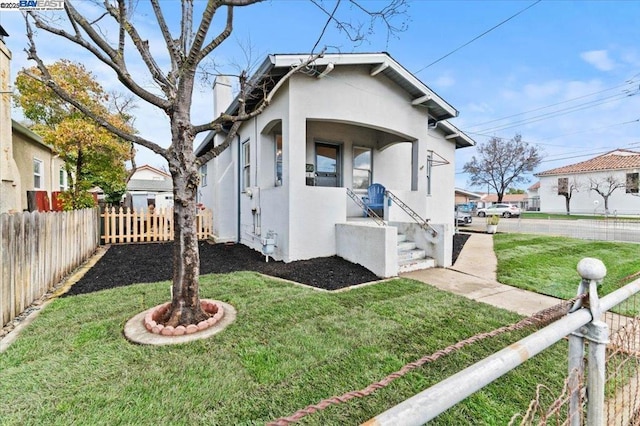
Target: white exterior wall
221 192
267 209
583 201
348 107
441 202
146 174
374 247
346 95
10 185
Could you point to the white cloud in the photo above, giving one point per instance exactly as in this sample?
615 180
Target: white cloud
543 91
445 81
599 59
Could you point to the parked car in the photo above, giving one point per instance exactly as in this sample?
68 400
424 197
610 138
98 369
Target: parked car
463 215
504 210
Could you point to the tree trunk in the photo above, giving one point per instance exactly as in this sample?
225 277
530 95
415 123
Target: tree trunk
567 202
185 303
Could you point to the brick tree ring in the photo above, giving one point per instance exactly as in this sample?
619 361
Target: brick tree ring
144 328
152 317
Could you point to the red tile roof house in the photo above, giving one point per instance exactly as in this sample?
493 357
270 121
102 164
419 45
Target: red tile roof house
617 171
350 121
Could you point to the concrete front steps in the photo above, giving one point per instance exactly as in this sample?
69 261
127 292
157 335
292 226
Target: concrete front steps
411 258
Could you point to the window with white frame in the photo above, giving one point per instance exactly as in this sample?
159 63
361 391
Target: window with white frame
633 183
246 164
62 179
38 174
361 167
203 175
278 160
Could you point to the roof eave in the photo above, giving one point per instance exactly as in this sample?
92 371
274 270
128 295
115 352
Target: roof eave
451 132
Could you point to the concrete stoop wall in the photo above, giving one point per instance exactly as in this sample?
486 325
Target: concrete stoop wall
374 247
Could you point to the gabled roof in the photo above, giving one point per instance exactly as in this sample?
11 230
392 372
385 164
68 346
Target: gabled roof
619 159
154 170
534 187
150 185
468 193
29 134
276 66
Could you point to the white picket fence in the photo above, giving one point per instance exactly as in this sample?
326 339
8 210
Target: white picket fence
122 225
38 251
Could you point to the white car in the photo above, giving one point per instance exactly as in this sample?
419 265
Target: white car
504 210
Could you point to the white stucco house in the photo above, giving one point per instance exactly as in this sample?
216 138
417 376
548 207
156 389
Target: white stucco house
149 185
617 171
349 121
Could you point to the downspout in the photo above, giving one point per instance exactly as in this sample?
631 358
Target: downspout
239 187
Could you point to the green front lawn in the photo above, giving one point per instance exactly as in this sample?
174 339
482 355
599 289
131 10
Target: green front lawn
547 265
289 347
559 216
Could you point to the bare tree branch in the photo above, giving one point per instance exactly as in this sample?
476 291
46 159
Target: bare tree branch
221 37
120 16
605 187
48 81
186 26
244 116
166 34
502 163
104 52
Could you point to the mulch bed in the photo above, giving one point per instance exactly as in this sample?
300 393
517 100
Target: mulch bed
142 263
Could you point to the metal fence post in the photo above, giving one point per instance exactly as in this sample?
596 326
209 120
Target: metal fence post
596 332
576 366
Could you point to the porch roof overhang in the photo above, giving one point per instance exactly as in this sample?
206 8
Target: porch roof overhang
275 66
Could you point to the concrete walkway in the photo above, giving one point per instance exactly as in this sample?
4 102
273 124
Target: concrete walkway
474 276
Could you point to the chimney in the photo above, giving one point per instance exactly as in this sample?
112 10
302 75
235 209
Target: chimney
222 95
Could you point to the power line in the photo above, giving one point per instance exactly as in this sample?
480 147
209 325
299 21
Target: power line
477 37
556 136
556 113
628 82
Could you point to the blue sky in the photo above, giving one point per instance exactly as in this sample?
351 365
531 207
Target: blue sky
563 74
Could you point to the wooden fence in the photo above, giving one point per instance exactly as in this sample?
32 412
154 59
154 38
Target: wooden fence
38 251
122 225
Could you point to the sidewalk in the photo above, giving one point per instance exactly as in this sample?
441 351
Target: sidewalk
474 276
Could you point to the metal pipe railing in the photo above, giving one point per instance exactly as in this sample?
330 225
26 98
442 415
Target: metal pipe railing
365 208
433 401
424 223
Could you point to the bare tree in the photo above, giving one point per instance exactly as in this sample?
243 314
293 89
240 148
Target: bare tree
605 187
113 38
501 163
566 187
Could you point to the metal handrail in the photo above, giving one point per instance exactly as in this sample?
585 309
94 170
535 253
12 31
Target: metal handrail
365 208
424 223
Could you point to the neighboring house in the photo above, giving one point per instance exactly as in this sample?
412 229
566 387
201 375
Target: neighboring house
349 121
467 197
533 197
149 185
39 168
519 200
620 167
30 171
10 188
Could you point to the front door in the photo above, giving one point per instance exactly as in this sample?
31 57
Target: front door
328 165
